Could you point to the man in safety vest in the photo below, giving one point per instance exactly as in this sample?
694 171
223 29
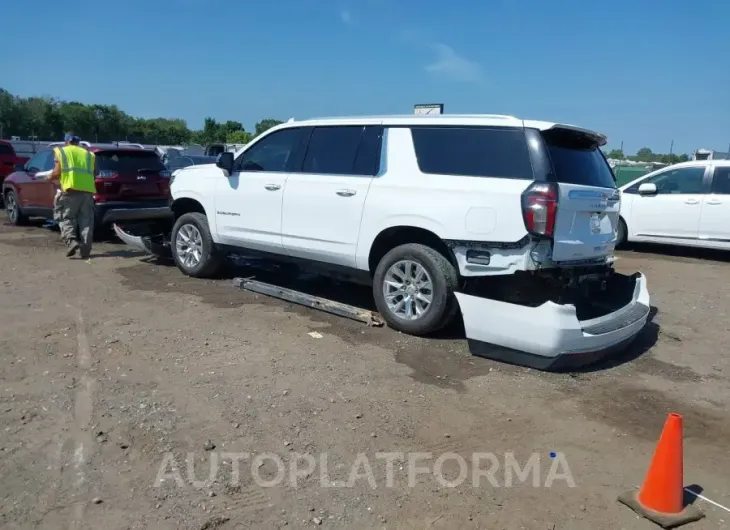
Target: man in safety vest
74 206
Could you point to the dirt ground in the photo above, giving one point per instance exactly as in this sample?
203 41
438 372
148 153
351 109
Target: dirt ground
113 371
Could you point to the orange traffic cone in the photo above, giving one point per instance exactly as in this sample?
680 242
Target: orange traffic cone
660 498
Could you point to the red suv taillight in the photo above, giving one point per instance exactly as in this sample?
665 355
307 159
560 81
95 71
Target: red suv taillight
540 208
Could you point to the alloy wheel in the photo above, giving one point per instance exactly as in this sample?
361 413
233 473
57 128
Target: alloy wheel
408 290
189 245
11 206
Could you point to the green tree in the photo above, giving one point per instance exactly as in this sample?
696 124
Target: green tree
645 154
238 137
265 125
617 154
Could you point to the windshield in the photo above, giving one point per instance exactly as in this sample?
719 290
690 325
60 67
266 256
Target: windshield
577 159
128 161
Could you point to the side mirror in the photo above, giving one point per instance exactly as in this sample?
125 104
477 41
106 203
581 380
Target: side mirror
648 188
225 161
19 167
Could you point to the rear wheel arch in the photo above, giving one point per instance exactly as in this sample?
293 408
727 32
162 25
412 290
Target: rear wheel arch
395 236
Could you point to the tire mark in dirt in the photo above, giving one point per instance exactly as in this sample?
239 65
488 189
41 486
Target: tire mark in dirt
82 439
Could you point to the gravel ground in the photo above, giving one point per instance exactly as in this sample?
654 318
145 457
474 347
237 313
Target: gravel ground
120 376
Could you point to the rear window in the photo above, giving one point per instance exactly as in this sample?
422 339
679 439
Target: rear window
577 159
128 161
472 151
6 149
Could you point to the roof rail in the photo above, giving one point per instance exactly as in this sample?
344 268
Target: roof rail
498 116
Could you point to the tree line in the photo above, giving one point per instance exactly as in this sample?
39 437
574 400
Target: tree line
647 155
45 118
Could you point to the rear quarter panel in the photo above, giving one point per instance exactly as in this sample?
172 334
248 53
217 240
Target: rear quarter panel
452 207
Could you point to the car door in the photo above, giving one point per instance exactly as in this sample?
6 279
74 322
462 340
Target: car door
324 200
29 190
715 218
673 212
248 202
45 189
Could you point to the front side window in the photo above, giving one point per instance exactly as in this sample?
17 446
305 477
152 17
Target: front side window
682 181
721 181
472 151
40 162
6 149
271 153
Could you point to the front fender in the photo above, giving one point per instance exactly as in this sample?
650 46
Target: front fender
206 201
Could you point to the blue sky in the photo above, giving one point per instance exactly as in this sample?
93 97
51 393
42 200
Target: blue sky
643 72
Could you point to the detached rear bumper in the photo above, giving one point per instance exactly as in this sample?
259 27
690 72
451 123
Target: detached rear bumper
113 212
550 337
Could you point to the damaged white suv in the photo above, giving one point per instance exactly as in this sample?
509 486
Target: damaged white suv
511 221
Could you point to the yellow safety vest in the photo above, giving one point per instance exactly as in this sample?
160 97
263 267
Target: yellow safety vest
77 168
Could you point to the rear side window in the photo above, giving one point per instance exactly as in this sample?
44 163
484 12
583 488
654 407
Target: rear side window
128 161
721 181
577 159
472 151
346 150
6 149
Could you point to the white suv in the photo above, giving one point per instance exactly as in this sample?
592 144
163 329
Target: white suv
516 218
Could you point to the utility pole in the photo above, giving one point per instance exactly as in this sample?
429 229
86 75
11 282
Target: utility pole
671 148
622 148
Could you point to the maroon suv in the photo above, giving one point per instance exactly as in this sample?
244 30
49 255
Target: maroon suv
8 160
131 184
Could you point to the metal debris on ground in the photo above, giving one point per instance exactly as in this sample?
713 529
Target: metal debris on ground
315 334
309 300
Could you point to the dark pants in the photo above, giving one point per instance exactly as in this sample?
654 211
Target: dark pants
74 213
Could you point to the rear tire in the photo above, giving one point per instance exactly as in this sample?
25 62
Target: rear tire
15 214
622 234
423 275
193 248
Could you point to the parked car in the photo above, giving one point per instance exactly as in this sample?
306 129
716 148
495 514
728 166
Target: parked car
685 204
8 160
512 221
181 162
131 184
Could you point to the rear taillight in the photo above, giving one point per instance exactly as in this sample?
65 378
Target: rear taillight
539 208
106 174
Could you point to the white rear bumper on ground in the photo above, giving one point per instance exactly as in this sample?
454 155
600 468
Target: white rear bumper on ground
550 336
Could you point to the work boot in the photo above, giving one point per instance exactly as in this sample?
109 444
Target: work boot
85 252
73 247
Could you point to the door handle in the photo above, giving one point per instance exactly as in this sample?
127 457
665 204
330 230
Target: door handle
346 193
272 187
691 201
713 202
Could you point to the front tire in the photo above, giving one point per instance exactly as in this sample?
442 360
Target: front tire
413 287
16 217
193 248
